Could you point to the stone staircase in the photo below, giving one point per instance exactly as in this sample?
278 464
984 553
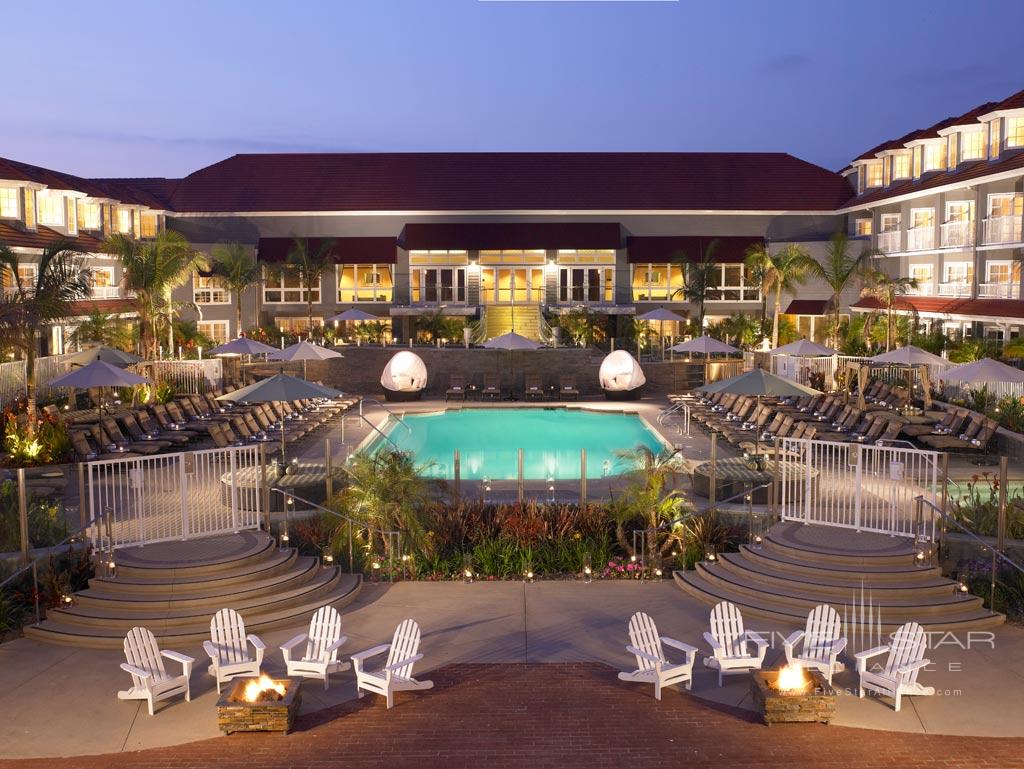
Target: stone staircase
524 319
798 567
174 588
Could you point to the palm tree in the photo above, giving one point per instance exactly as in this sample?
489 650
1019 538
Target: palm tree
30 307
107 330
784 270
838 271
701 279
755 264
152 270
888 291
235 269
649 497
310 268
436 325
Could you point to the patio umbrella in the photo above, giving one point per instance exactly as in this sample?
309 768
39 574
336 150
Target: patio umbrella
909 356
804 348
357 315
243 346
705 345
511 342
98 374
110 355
304 351
279 387
759 383
661 315
984 371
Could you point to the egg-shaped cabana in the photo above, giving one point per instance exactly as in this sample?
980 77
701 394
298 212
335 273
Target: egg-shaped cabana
404 377
621 377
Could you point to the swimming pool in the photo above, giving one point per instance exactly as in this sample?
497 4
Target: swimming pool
488 440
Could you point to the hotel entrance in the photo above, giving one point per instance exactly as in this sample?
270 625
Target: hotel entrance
512 277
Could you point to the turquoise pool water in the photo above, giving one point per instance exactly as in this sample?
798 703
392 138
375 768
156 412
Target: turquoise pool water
551 439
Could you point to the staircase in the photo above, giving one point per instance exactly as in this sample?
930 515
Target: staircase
524 319
174 588
798 567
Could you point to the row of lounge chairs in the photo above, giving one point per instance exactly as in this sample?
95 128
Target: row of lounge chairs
533 387
195 419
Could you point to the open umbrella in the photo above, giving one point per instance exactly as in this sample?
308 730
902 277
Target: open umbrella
909 356
661 315
357 315
804 348
304 351
110 355
98 374
511 342
705 345
759 383
243 346
279 387
984 371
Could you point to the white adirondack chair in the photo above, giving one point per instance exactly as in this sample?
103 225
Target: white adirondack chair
821 642
652 664
396 674
228 648
150 681
899 674
323 641
730 643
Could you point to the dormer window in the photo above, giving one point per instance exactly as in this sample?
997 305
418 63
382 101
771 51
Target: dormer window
901 166
90 216
9 203
1014 132
873 172
934 156
50 207
150 225
972 145
124 220
994 138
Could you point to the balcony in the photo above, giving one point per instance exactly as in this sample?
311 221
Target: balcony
890 242
956 290
1003 229
923 289
999 290
957 234
920 238
107 292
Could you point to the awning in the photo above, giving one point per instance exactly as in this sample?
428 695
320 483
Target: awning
809 307
510 236
731 249
981 309
362 250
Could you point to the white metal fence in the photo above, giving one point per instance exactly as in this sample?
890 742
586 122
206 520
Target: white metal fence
867 488
800 369
190 494
187 376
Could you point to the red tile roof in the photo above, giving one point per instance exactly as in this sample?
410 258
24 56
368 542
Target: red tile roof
1016 101
365 250
152 192
994 308
730 249
44 236
511 181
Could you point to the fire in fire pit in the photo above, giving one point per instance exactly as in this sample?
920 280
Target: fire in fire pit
792 679
793 694
261 704
263 689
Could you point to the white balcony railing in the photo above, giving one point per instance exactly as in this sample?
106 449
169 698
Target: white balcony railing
920 238
890 242
924 288
958 290
957 234
999 290
106 292
1003 229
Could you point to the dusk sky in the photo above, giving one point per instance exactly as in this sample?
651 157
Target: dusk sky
157 89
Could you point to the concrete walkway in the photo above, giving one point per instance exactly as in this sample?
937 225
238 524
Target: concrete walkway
60 701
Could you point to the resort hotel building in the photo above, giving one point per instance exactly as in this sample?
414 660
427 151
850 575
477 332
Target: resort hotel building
510 239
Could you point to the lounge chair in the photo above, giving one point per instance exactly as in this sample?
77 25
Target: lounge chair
533 389
950 423
456 387
492 387
567 387
971 441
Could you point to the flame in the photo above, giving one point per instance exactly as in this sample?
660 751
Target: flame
254 689
792 678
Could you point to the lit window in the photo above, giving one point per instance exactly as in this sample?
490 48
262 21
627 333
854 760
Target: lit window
998 272
149 225
874 174
922 273
208 290
51 209
972 145
364 283
863 227
918 160
433 285
1014 132
994 139
959 210
935 156
961 273
124 220
89 216
890 222
923 217
297 325
214 330
658 282
103 285
732 286
283 285
9 202
586 284
901 166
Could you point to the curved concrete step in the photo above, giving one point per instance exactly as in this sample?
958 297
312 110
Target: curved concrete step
693 584
166 560
864 548
804 569
295 615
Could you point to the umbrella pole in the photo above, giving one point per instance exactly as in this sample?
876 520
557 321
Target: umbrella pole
282 445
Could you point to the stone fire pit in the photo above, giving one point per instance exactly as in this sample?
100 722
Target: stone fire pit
815 703
262 708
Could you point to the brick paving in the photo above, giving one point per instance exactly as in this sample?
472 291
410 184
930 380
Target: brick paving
556 715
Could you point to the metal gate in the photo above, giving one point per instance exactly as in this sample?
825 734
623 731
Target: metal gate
868 488
190 494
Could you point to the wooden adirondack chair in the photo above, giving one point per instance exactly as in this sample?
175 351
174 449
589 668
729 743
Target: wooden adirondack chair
396 674
145 664
730 643
323 641
820 642
228 648
653 667
899 674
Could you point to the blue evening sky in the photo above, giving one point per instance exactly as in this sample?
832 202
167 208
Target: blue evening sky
145 88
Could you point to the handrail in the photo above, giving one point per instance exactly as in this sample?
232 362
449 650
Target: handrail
391 413
715 507
949 519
